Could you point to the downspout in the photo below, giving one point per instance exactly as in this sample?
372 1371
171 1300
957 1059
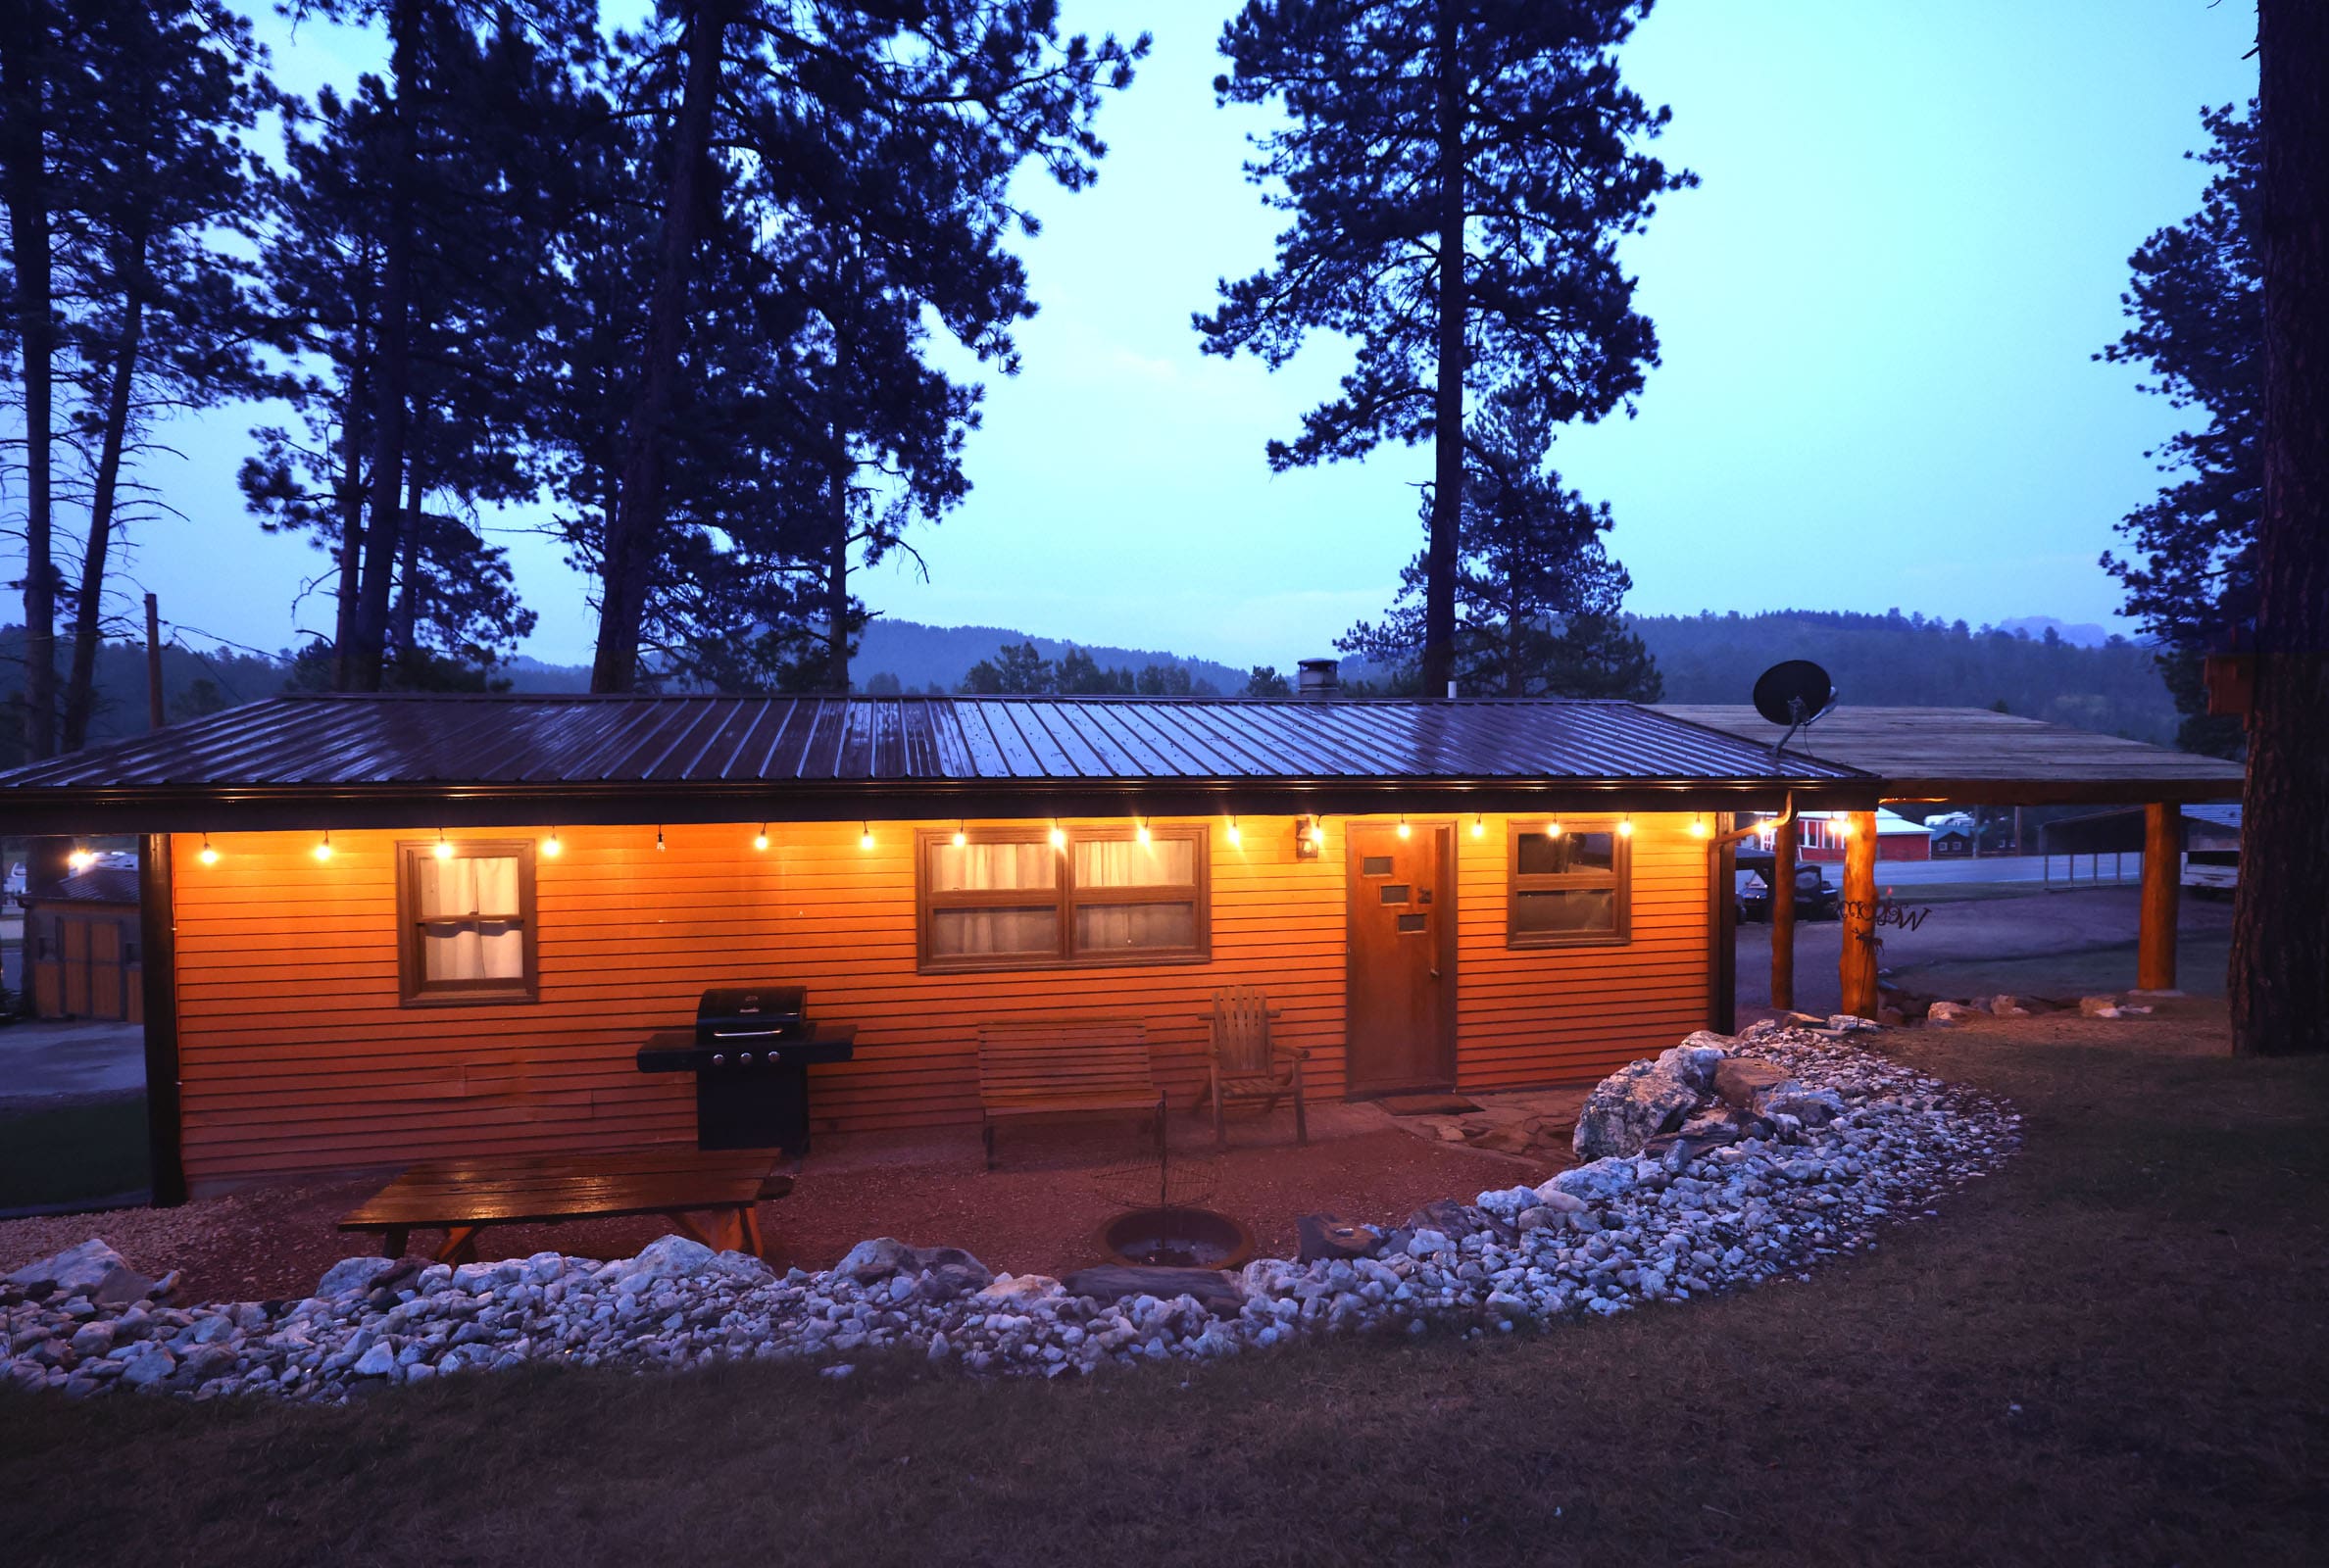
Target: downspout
1722 924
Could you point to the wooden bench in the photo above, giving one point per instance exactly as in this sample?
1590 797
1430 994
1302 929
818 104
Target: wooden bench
708 1195
1066 1072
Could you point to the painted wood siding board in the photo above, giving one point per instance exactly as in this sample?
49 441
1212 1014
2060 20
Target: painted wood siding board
297 1057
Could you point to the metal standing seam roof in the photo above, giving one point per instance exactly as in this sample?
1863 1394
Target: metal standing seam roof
353 741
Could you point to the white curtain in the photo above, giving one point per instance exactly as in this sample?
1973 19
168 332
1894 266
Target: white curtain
1117 927
468 911
992 868
993 933
1129 864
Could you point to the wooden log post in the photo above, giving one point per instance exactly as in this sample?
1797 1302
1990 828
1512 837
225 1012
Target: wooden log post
1783 915
2162 886
1858 967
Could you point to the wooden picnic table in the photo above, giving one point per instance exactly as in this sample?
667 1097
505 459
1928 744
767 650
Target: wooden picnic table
709 1196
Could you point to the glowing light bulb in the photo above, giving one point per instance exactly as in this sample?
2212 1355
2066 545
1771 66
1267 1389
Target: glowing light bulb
1235 838
1405 831
865 839
1058 837
1318 832
1698 826
961 838
444 851
208 856
1142 833
759 839
1553 828
324 848
659 843
1480 825
79 859
1625 827
550 845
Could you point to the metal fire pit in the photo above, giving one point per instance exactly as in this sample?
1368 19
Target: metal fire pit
1176 1237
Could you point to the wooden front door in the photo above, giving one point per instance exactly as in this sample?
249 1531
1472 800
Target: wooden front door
1402 954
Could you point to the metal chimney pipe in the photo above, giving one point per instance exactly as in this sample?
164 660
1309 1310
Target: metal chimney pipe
1319 679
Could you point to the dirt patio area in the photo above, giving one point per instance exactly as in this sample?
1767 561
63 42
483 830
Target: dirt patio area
1039 1212
2108 1351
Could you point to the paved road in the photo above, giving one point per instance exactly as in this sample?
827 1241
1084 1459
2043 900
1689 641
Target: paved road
52 1063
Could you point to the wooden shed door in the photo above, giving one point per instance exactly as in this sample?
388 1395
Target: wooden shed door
1401 990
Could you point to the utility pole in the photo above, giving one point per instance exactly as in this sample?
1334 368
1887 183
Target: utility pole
153 663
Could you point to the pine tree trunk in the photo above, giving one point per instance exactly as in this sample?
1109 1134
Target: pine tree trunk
81 681
369 644
1447 492
632 534
351 498
408 599
23 35
2279 986
838 588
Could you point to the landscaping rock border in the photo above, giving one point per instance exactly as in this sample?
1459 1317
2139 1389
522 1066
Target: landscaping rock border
1795 1145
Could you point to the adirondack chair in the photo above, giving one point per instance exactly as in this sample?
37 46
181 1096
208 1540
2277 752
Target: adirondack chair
1246 1063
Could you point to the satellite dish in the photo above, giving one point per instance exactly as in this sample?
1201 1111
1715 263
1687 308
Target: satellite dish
1792 693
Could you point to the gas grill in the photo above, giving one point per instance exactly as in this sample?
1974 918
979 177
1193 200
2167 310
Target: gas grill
750 1051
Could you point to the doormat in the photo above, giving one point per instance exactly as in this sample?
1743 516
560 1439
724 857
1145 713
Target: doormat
1426 1105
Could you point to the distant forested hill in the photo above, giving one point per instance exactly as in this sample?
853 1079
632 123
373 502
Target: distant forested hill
2114 688
923 656
1910 661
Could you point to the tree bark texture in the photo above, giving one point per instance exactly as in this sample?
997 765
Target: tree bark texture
369 639
1857 968
2279 982
87 621
632 532
1783 913
24 34
351 499
2162 891
1447 488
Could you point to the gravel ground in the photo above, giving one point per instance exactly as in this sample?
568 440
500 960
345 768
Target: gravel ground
1037 1214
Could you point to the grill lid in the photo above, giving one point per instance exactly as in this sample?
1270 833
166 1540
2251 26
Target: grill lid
729 1012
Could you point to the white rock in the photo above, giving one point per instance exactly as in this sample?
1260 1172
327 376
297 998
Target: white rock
75 1271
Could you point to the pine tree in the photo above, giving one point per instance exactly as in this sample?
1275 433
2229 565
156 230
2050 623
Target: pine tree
1458 174
2197 307
1537 595
2279 985
939 103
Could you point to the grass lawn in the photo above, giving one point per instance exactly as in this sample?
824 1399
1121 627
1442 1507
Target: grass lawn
2112 1351
88 1150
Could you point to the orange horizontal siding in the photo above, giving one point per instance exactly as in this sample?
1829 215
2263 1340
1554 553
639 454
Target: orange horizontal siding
296 1056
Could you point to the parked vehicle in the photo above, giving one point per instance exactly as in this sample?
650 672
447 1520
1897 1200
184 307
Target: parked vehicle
1816 898
2212 873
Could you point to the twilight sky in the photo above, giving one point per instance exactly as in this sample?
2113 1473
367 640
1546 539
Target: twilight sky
1877 314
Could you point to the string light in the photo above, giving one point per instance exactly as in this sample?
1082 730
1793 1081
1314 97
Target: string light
1480 825
865 838
1235 838
1141 833
444 851
1625 826
1698 826
659 843
759 839
550 846
1843 824
1405 831
208 856
1553 828
80 857
323 846
961 838
1059 835
1318 831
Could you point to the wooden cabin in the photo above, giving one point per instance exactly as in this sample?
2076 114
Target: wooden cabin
82 946
381 928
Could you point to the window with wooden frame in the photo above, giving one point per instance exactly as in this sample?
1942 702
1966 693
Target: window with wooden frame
467 921
1011 898
1569 889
